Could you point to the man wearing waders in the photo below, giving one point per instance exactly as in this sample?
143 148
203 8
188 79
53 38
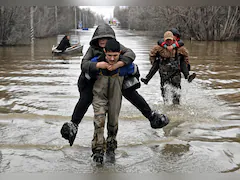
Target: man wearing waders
168 64
85 84
107 98
184 62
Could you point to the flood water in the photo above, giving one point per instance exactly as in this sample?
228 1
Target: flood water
38 94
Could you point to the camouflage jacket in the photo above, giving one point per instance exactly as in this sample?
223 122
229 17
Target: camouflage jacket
164 53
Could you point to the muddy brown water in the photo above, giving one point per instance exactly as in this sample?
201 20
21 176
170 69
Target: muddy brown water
38 94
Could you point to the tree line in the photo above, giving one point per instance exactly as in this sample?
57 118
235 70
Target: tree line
47 21
199 23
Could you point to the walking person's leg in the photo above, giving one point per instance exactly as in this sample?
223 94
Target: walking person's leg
176 82
100 107
114 106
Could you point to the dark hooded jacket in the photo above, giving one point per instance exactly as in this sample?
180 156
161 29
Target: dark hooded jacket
64 44
103 31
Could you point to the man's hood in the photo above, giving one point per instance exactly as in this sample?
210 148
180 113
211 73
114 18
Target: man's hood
102 31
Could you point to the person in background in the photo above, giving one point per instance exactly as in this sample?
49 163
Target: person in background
64 44
168 64
184 61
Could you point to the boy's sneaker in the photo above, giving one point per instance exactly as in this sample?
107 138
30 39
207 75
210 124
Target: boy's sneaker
191 77
158 120
144 80
69 131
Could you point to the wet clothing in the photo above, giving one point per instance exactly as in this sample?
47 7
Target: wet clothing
107 98
155 67
64 44
87 66
168 64
130 69
184 63
85 86
170 74
158 50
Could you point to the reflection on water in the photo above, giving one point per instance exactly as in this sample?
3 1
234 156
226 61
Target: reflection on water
217 65
38 94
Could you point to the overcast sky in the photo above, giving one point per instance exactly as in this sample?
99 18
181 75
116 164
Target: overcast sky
107 11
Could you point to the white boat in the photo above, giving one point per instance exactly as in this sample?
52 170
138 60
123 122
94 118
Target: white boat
71 50
76 47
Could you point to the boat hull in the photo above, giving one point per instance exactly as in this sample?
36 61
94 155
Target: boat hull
69 51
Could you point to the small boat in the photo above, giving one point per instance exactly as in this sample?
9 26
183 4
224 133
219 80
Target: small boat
76 47
69 51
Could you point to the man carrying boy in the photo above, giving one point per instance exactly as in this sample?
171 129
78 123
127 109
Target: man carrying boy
184 62
167 62
101 35
107 98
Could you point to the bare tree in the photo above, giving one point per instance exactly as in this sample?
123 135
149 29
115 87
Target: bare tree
14 22
200 23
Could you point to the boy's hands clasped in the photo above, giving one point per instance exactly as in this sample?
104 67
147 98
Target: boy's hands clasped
102 65
105 65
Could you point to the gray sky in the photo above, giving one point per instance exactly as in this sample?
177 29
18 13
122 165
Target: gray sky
107 11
